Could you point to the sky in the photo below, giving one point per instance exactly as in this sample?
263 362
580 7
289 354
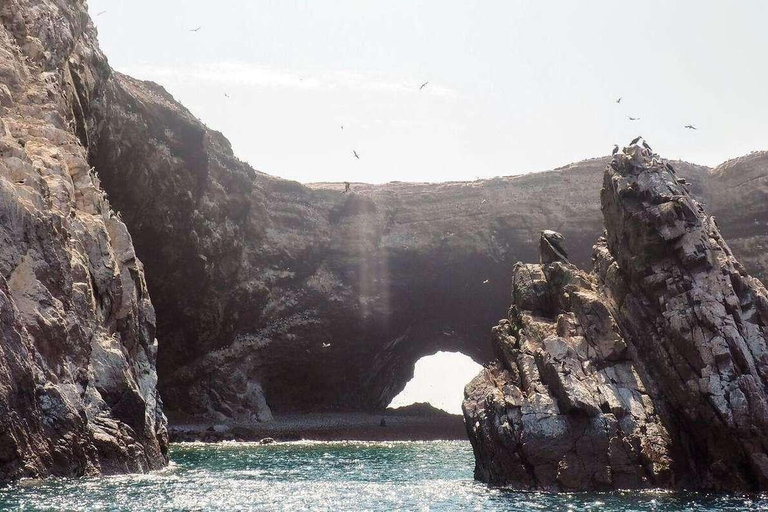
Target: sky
513 86
439 379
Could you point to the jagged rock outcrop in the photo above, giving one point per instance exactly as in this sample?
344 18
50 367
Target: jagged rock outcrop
77 328
649 371
564 406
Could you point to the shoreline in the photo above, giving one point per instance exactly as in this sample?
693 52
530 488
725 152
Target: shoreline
386 426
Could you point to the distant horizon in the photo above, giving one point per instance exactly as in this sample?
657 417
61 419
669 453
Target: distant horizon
511 87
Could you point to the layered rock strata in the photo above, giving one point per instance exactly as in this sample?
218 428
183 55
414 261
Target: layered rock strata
77 329
650 371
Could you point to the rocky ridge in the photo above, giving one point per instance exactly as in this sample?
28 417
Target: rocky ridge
648 371
77 328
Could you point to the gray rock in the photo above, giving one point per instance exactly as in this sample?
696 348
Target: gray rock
649 371
78 389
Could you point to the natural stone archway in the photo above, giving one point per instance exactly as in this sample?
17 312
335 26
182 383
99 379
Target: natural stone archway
304 297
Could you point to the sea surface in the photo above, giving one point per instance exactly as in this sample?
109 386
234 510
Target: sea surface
334 476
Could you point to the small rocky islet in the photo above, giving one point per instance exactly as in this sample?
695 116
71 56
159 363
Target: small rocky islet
237 296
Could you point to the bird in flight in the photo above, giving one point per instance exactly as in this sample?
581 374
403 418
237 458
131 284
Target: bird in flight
326 345
633 118
486 281
342 127
423 85
635 140
102 12
618 100
226 95
615 149
195 29
356 155
691 127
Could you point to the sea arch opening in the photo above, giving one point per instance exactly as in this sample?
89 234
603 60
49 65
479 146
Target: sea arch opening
439 380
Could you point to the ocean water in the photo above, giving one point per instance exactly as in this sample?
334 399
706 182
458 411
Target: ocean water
334 476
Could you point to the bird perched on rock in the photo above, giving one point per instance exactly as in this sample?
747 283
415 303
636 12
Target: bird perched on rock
552 247
669 167
646 146
346 187
635 140
615 149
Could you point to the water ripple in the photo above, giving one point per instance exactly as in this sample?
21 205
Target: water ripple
333 476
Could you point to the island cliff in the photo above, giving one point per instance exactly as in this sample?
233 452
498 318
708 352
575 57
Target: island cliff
648 371
77 329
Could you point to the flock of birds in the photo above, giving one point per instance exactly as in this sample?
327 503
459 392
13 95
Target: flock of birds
689 126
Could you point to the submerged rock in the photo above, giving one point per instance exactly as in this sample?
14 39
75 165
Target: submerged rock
650 371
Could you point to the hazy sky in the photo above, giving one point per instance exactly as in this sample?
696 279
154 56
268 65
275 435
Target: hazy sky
514 86
439 379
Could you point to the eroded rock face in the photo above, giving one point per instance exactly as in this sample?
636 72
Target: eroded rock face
564 406
737 196
77 328
657 358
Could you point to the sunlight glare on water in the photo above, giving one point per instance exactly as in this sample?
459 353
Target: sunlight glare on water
333 476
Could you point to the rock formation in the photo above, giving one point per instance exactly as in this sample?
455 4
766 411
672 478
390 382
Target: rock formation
650 371
272 293
269 291
77 329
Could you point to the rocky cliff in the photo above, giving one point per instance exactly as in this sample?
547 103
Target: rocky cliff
272 292
649 371
77 329
736 193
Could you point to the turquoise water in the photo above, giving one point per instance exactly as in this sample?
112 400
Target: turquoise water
332 476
